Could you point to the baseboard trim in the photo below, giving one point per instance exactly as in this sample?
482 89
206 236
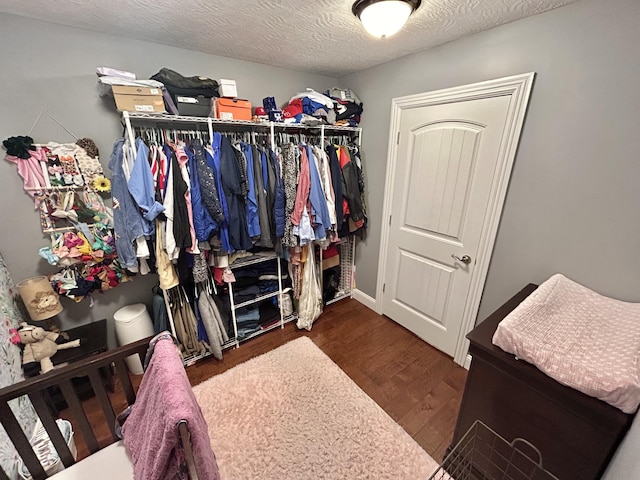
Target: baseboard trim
467 362
364 299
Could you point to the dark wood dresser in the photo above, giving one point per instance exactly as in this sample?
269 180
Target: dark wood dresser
575 433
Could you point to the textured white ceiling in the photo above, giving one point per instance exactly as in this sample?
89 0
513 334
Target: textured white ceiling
320 36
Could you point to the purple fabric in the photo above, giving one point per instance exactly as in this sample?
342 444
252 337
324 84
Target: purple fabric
168 102
150 433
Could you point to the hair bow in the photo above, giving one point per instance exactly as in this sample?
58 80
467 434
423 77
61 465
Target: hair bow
68 214
15 336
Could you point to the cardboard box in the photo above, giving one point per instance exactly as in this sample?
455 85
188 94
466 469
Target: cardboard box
194 106
138 99
233 109
227 88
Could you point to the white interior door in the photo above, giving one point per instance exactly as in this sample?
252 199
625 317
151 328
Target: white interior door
449 174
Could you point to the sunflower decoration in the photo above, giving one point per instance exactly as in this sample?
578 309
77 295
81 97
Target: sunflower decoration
102 184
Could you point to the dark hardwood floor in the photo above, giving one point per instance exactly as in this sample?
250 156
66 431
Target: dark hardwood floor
418 386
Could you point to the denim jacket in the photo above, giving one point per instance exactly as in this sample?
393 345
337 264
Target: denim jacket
142 190
127 219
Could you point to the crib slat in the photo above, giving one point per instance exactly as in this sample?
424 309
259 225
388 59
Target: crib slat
105 403
21 442
51 427
79 415
125 381
185 437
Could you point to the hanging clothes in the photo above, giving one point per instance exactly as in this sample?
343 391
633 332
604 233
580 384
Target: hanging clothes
186 324
141 187
253 221
127 218
183 161
270 183
351 190
300 215
231 179
213 161
213 323
290 171
166 271
166 194
208 188
261 196
310 305
202 222
181 222
336 182
325 180
242 168
280 201
319 210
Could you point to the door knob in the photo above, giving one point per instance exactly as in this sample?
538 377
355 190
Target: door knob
466 259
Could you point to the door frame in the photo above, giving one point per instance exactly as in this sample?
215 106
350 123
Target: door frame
519 88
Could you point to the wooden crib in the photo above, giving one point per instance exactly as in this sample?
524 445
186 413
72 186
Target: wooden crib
37 390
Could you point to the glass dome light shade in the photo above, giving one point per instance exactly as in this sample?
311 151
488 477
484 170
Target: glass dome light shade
384 18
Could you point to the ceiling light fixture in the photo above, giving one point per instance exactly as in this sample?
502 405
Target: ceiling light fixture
383 18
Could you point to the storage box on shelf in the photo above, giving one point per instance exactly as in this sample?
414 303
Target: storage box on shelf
233 109
138 99
196 106
227 88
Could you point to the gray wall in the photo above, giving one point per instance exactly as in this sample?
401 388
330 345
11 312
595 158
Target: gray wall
572 204
51 67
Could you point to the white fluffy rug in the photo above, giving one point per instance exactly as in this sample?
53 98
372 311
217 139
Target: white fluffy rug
293 414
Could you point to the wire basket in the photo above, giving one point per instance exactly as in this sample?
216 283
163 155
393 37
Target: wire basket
482 454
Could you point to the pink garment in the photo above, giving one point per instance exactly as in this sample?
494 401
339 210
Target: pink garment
150 433
304 187
30 169
182 161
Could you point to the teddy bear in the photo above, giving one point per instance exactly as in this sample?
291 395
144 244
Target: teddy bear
39 346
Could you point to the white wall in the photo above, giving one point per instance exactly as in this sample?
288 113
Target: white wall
51 67
574 196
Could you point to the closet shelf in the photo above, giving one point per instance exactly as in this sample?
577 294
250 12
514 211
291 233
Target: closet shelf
193 358
258 299
339 296
165 118
286 320
253 260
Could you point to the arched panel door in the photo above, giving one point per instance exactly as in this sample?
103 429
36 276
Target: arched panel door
446 163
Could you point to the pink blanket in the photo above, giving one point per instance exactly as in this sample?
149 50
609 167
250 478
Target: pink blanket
150 433
580 338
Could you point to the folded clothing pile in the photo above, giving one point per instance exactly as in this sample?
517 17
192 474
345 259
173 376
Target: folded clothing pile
347 105
309 108
178 85
335 106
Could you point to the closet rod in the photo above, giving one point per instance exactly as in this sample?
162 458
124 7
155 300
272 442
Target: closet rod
165 118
